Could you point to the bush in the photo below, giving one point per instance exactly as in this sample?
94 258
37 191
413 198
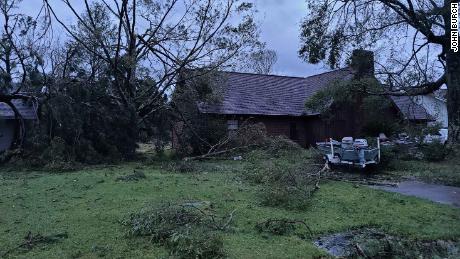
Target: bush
288 180
160 223
80 123
280 144
196 243
184 167
282 226
250 134
285 184
57 156
289 197
185 230
376 244
278 227
434 152
387 156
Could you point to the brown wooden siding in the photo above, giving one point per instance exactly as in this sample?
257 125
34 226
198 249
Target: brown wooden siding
308 129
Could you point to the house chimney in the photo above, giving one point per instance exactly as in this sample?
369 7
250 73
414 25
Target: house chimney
362 63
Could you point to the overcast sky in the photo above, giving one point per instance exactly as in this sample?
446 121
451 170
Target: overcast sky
280 27
279 23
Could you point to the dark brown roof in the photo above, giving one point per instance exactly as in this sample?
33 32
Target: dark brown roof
409 109
25 108
255 94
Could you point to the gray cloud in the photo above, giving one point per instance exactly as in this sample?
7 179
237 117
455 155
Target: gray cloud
280 28
279 23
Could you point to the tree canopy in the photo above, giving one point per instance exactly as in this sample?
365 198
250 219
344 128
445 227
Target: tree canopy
411 40
111 73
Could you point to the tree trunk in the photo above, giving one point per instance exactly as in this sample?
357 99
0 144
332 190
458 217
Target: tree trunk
453 83
453 96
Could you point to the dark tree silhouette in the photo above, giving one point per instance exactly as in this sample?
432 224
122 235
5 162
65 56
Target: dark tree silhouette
411 37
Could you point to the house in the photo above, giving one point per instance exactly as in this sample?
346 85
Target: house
279 103
8 123
435 106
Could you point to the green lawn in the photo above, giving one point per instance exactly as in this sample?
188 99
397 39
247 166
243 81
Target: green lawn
445 172
89 204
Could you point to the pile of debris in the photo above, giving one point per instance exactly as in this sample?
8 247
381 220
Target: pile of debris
373 243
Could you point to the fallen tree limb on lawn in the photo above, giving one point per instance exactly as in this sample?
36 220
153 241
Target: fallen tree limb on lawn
209 155
31 240
281 226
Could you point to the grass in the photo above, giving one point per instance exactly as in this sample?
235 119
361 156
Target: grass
445 172
89 205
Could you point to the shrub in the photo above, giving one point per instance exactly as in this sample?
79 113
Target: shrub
250 134
196 243
281 226
290 197
57 156
434 151
185 230
376 244
184 167
135 176
80 123
160 223
280 144
387 156
276 226
287 187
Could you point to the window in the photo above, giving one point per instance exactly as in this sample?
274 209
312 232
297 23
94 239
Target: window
293 131
232 124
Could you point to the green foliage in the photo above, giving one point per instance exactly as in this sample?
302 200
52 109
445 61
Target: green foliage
196 243
372 112
89 210
419 131
435 151
287 182
314 49
284 227
279 145
376 244
161 222
388 155
80 123
196 131
279 227
290 197
184 167
376 116
184 230
57 155
135 176
398 163
331 29
250 134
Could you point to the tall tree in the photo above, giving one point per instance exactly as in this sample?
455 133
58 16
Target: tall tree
22 40
412 38
157 39
261 61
